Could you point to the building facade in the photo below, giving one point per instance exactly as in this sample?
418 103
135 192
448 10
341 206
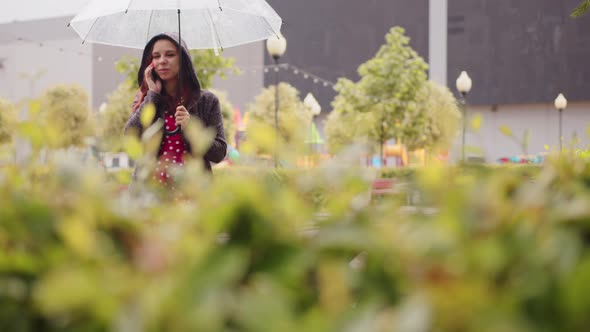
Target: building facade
520 54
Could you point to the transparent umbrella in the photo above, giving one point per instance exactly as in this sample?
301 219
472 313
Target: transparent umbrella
203 24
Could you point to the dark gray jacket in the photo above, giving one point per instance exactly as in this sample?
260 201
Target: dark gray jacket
205 107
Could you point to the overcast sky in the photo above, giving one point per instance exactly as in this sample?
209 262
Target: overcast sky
26 10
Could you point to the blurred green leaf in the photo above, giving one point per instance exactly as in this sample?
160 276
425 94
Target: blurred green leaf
506 131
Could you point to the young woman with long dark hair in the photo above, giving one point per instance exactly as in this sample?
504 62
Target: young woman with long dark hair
159 85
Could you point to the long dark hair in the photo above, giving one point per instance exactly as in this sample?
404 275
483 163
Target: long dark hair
191 88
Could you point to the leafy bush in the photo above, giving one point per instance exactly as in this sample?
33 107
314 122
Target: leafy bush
64 109
488 249
7 121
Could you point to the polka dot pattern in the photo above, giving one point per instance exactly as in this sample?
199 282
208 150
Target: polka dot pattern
174 149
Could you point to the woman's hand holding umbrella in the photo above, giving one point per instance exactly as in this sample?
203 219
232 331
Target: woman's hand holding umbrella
182 117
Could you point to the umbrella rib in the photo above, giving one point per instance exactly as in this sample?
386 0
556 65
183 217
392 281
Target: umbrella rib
270 26
215 30
128 5
88 33
148 28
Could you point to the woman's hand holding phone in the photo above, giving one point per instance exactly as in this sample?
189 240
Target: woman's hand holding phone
153 83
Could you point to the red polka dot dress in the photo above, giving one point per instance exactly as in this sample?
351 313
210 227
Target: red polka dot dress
172 153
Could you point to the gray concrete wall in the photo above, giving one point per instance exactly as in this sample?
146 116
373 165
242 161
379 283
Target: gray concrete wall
519 51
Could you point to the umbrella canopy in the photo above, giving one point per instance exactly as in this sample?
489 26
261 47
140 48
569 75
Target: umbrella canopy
205 24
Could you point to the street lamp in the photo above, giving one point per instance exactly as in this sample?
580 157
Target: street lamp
276 47
464 84
560 105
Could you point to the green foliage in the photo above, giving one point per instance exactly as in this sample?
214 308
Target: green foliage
389 89
64 109
129 66
7 121
293 117
113 118
207 65
581 9
227 112
345 125
294 250
290 251
437 119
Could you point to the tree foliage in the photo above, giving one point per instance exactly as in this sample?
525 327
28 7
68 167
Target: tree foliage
64 108
227 112
293 117
207 65
388 92
581 9
8 115
437 117
113 118
345 125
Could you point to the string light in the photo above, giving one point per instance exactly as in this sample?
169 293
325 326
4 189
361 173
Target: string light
57 48
295 70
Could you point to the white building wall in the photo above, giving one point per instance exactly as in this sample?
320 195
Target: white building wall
542 120
30 69
242 89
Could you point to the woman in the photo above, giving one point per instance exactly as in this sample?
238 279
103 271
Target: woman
158 81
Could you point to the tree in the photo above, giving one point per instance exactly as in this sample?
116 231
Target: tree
345 125
227 112
294 118
388 89
65 112
207 65
581 9
437 119
113 118
7 121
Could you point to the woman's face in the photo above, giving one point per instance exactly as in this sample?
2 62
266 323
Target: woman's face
165 59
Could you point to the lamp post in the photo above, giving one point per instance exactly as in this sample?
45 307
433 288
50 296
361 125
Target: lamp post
464 84
276 47
560 105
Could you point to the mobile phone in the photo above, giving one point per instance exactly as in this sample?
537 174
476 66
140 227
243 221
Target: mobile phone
155 76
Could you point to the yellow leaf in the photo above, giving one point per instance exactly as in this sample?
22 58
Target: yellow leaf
79 235
133 147
506 131
546 147
147 115
476 122
34 107
32 132
588 131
